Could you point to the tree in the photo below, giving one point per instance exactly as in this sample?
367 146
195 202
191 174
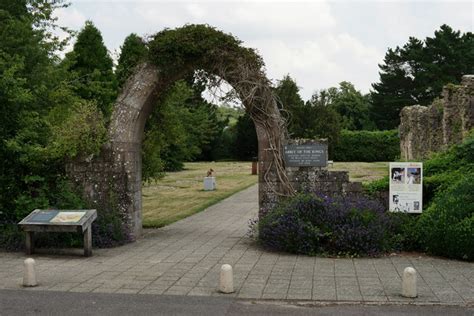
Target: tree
31 88
43 122
205 122
133 51
417 72
15 9
246 143
352 106
179 129
91 68
24 63
289 101
317 120
224 145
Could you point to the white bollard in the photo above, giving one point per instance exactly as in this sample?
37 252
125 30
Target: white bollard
226 284
29 275
409 283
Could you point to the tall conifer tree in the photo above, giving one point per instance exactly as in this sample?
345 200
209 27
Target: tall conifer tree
417 72
132 52
92 68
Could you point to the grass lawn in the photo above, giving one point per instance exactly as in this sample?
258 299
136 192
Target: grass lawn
180 194
363 171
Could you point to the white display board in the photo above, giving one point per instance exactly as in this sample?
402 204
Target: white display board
406 187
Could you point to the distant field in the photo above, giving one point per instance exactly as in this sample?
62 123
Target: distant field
180 194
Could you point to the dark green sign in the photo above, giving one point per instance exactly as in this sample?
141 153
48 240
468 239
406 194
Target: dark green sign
43 216
312 155
56 217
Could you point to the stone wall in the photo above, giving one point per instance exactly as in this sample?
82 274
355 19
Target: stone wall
304 179
424 130
110 183
320 179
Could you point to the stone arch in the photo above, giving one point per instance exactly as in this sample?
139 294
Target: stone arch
114 178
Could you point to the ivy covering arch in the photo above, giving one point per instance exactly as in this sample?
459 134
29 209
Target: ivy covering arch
113 180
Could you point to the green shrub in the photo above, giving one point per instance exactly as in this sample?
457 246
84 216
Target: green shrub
445 168
312 224
43 193
82 132
446 228
11 237
405 234
377 186
439 171
367 146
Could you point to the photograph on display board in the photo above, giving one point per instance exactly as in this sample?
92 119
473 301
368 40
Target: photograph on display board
413 175
416 205
399 206
396 203
398 175
406 191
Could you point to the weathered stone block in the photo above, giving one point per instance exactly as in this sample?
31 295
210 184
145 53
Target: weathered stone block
424 130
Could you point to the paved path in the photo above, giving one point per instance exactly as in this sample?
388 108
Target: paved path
184 259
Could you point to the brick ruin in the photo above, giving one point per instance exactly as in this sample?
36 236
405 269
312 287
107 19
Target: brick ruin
428 129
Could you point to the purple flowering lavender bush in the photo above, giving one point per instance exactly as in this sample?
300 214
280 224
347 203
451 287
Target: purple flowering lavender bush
317 224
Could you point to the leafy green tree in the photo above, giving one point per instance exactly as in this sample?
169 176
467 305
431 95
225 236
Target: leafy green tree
289 100
317 120
229 114
205 117
91 68
82 133
224 145
178 130
38 111
27 74
352 106
313 119
15 9
246 142
132 52
417 72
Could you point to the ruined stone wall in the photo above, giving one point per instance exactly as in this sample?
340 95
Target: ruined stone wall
303 180
320 179
428 129
110 183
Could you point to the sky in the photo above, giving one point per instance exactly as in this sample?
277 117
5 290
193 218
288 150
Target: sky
318 43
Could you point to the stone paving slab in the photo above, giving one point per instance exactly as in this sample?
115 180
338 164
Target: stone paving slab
184 258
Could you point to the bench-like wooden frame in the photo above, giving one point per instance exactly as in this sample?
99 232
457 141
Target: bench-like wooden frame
82 226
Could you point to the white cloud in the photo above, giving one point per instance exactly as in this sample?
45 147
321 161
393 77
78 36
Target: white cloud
319 43
322 62
71 17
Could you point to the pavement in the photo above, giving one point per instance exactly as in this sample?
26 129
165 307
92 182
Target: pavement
184 259
14 302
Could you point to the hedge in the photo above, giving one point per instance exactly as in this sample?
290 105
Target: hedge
367 146
446 228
